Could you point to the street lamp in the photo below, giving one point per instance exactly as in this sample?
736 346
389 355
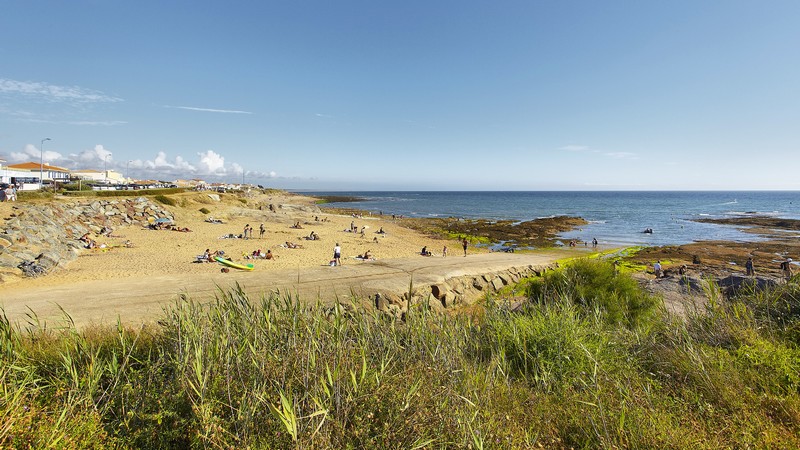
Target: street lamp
127 173
105 167
41 163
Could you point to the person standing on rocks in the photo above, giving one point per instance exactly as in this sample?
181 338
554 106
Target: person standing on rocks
465 244
657 269
337 255
786 268
748 266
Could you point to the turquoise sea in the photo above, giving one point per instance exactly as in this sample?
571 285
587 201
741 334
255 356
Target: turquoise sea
615 217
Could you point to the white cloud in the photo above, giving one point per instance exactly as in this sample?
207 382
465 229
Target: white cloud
162 166
98 153
225 111
54 93
574 148
211 162
262 175
31 153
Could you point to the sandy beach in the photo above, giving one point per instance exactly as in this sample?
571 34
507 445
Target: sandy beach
165 252
137 280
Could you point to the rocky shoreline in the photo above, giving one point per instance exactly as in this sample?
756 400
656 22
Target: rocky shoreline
37 238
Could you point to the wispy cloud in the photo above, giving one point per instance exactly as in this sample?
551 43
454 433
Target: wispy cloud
53 92
224 111
327 116
622 155
94 123
574 148
97 123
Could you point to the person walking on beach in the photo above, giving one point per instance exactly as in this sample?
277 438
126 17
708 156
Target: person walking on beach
657 269
465 244
246 228
337 255
444 252
261 231
748 266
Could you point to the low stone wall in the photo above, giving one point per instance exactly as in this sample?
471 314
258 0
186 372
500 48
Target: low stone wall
453 292
38 238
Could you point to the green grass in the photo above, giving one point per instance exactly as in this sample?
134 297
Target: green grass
590 362
125 193
164 200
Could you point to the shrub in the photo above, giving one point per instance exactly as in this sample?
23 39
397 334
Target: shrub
76 187
596 285
163 199
204 210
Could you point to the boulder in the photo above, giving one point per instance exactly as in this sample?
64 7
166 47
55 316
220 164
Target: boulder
497 283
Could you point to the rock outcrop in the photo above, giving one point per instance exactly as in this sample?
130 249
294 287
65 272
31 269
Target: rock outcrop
38 238
453 292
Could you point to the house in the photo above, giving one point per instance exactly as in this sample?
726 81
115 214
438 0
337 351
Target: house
29 173
108 176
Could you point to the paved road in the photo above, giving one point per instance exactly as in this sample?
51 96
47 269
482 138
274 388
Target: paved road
137 300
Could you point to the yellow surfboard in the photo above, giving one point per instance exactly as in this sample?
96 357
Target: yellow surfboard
233 264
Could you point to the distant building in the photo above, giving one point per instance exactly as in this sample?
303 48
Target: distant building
29 173
108 176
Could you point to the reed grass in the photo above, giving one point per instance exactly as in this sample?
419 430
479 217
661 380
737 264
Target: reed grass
583 365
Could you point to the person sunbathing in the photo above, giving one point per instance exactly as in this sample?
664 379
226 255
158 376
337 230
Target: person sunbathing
293 245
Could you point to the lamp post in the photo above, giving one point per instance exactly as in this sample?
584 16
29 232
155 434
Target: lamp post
105 167
127 173
41 163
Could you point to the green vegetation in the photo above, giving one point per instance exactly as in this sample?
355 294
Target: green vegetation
205 210
164 200
125 193
34 195
589 362
76 187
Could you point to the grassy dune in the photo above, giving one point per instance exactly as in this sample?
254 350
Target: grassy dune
591 361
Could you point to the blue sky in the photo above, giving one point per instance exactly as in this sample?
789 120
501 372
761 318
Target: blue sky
412 95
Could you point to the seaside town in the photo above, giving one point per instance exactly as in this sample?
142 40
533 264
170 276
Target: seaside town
31 176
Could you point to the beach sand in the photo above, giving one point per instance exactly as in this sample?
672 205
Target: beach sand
164 252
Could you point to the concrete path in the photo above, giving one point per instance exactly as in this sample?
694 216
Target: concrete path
138 300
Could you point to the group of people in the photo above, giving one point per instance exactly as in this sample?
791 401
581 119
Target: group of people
247 233
208 255
259 254
9 194
785 268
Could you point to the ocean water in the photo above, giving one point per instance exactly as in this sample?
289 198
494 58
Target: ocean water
614 217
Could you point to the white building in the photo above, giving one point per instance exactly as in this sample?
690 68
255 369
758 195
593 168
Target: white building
108 176
30 174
